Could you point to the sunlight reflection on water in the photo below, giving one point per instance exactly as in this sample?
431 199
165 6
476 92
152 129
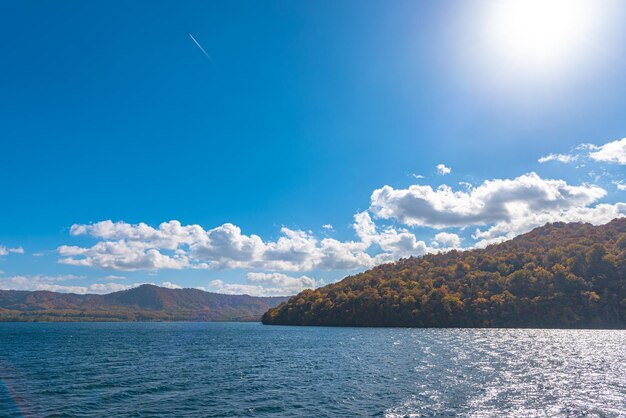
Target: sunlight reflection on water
209 369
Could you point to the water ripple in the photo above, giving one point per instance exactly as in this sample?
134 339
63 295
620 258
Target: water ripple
204 369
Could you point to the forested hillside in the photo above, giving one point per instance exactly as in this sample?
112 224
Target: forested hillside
559 275
143 303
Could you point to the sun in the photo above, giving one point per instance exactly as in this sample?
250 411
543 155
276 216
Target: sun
539 32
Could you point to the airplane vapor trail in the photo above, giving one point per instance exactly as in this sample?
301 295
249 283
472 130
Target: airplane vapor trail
201 49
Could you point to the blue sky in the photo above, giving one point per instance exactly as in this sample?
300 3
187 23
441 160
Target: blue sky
110 111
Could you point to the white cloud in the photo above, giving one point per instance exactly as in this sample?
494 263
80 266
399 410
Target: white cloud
113 277
442 170
328 227
597 215
612 152
562 158
128 247
493 201
41 282
5 251
620 185
42 278
447 240
339 255
417 176
395 243
587 147
506 208
499 208
218 286
264 284
125 255
103 288
52 284
290 284
80 290
170 285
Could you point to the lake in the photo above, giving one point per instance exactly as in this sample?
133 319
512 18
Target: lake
247 369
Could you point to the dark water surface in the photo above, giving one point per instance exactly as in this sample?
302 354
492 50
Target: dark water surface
239 369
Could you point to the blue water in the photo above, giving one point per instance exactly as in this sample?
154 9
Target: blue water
243 369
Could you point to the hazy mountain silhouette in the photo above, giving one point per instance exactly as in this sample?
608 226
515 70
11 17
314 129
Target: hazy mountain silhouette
144 303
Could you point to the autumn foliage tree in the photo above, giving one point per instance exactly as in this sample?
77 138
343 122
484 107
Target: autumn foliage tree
557 276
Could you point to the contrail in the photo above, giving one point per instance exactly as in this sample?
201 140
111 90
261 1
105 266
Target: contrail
201 49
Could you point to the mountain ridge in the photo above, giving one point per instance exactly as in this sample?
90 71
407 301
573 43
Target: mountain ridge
143 303
561 275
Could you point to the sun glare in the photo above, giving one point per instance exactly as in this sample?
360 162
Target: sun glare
539 32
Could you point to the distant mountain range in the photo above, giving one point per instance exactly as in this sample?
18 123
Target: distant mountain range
143 303
556 276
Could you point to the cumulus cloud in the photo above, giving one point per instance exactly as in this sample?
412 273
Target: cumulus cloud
498 209
289 284
128 247
612 152
328 227
103 288
126 255
170 285
59 284
113 277
442 170
5 250
501 200
505 208
340 255
447 240
42 282
218 286
597 215
562 158
395 243
265 284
